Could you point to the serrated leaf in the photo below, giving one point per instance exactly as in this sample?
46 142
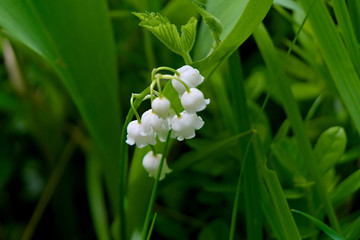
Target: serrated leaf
329 147
161 27
325 228
188 34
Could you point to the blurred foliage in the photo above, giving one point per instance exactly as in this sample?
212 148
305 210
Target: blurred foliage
60 127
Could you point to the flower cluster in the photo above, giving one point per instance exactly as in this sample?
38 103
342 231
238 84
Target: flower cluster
159 120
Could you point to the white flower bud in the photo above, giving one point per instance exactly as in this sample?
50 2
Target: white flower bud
190 76
194 101
151 164
184 126
134 136
161 106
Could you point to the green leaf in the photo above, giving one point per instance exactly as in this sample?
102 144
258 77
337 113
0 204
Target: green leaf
353 231
326 229
346 188
213 23
239 20
188 35
347 31
273 200
168 34
81 50
329 147
282 87
336 57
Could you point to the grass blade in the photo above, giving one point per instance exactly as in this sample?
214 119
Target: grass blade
268 51
337 59
326 229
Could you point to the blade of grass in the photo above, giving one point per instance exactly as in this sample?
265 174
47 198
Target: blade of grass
347 31
268 51
252 194
346 188
154 191
151 227
283 223
336 58
96 198
326 229
50 188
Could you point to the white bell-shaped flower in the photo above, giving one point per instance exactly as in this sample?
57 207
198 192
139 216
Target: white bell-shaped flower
184 126
134 136
161 126
151 164
161 106
194 101
146 119
190 76
151 122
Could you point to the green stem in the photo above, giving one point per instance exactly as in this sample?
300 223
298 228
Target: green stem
152 90
187 58
155 70
154 191
49 189
149 51
153 149
158 84
124 161
133 108
177 79
237 193
151 227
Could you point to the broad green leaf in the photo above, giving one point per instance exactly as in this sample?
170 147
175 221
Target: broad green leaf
239 20
289 4
188 34
336 57
75 39
325 228
346 188
329 147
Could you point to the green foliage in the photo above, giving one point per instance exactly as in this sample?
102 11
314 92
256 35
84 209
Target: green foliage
168 34
281 131
326 229
64 44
